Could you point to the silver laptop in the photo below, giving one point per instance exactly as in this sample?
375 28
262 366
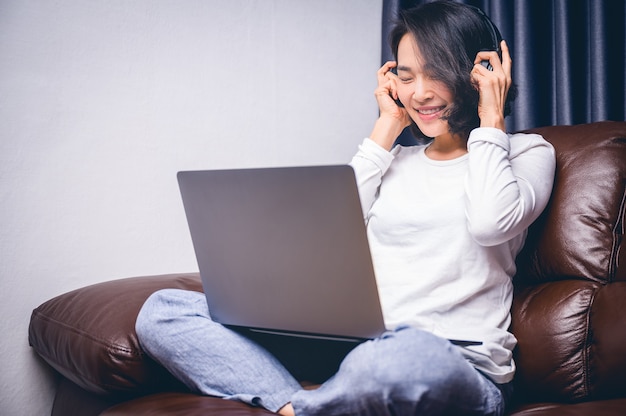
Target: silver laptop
284 250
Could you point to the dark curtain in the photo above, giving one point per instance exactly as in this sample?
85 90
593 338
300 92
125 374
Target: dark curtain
568 57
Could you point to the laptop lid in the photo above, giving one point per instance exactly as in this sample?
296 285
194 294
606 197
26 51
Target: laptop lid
284 249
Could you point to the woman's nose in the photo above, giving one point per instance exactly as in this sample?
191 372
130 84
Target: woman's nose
421 89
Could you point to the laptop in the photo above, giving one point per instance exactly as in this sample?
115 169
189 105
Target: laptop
284 250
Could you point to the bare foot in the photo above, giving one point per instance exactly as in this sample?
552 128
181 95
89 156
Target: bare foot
286 410
309 386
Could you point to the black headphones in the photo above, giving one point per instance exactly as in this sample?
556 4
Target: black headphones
496 37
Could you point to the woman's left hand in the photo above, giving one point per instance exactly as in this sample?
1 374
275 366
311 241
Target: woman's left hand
493 86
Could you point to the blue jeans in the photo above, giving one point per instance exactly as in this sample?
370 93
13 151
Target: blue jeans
404 372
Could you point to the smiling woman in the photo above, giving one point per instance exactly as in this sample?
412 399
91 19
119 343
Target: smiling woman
443 60
445 222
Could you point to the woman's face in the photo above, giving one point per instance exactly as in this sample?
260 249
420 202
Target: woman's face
425 100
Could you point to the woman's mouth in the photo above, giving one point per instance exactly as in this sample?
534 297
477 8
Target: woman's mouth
429 111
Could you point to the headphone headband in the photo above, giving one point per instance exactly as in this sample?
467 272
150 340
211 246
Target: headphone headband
496 37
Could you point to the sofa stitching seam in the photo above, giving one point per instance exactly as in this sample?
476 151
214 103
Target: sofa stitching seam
617 233
588 342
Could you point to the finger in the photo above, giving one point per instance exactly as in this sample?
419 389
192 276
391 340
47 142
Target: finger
388 65
507 62
387 87
384 73
489 56
393 88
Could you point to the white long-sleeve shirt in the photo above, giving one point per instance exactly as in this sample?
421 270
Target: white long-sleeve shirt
444 235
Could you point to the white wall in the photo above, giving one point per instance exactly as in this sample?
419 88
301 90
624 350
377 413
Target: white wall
102 102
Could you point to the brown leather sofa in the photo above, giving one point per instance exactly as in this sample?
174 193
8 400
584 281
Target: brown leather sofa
569 311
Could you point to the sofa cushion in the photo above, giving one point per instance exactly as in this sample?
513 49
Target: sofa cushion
88 335
603 407
181 404
580 233
571 341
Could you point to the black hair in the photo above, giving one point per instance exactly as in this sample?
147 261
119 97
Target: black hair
449 36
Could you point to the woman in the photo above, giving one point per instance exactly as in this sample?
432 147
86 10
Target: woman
445 221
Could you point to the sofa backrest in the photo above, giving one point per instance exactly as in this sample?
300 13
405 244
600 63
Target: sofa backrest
571 281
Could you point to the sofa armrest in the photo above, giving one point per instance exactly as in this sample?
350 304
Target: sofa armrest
88 335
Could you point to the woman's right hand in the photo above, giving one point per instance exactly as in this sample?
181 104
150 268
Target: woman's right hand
393 118
387 92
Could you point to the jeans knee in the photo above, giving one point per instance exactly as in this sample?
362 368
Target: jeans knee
406 371
162 308
147 321
406 363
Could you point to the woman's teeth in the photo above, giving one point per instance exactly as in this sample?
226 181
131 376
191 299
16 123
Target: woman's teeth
429 111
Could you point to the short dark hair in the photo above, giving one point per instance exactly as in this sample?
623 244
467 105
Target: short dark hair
449 36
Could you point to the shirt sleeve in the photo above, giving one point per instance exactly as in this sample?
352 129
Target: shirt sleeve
370 164
508 184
